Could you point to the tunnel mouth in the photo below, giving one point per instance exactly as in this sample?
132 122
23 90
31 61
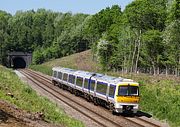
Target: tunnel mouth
19 62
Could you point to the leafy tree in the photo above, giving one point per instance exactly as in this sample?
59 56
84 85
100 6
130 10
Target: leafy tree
152 38
4 35
104 53
172 37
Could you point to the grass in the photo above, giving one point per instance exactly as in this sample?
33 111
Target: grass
81 61
42 68
162 99
27 99
160 95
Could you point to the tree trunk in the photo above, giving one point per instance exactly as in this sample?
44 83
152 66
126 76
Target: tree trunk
124 64
157 70
128 62
176 71
133 56
154 69
137 59
179 66
138 52
166 71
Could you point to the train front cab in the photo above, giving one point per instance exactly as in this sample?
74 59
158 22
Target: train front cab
127 97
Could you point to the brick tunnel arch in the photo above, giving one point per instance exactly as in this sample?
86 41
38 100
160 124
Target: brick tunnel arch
19 62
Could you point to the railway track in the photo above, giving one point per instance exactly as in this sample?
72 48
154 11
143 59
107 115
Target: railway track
107 121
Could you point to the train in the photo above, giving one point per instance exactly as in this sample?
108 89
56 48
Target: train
120 95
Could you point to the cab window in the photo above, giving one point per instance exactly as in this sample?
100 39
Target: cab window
127 90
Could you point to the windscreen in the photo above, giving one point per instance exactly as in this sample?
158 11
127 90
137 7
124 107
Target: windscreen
128 90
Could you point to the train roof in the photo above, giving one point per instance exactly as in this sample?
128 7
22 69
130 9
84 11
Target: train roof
64 70
112 79
98 76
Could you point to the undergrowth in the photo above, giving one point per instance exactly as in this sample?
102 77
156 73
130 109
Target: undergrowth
27 99
162 99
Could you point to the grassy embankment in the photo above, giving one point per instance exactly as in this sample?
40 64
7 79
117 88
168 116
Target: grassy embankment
27 99
160 95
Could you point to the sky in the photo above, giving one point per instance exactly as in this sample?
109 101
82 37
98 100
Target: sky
74 6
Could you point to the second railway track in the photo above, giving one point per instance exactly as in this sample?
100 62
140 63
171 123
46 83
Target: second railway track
103 120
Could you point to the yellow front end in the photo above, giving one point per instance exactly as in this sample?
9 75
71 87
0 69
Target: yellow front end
127 97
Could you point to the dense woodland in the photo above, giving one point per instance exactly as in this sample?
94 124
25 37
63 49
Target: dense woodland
144 37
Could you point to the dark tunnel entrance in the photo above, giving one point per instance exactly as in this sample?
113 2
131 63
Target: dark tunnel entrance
19 62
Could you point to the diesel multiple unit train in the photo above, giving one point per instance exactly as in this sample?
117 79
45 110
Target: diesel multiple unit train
117 94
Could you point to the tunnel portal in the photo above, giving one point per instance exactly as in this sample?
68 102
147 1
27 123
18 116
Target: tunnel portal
19 59
19 62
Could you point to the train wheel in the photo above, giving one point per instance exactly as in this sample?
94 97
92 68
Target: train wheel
63 87
54 83
76 92
71 90
111 107
95 100
88 98
114 112
59 85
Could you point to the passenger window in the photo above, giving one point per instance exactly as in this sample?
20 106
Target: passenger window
112 90
101 87
55 74
59 75
92 85
79 81
65 77
86 83
71 79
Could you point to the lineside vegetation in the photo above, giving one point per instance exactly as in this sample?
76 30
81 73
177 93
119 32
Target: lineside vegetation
26 98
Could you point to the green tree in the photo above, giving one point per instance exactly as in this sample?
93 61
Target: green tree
4 35
154 48
172 38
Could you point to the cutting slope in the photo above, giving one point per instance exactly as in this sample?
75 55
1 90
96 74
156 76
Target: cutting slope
81 61
159 94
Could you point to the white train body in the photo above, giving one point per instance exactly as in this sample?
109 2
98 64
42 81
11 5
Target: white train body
118 94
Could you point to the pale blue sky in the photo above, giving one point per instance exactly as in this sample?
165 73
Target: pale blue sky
75 6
